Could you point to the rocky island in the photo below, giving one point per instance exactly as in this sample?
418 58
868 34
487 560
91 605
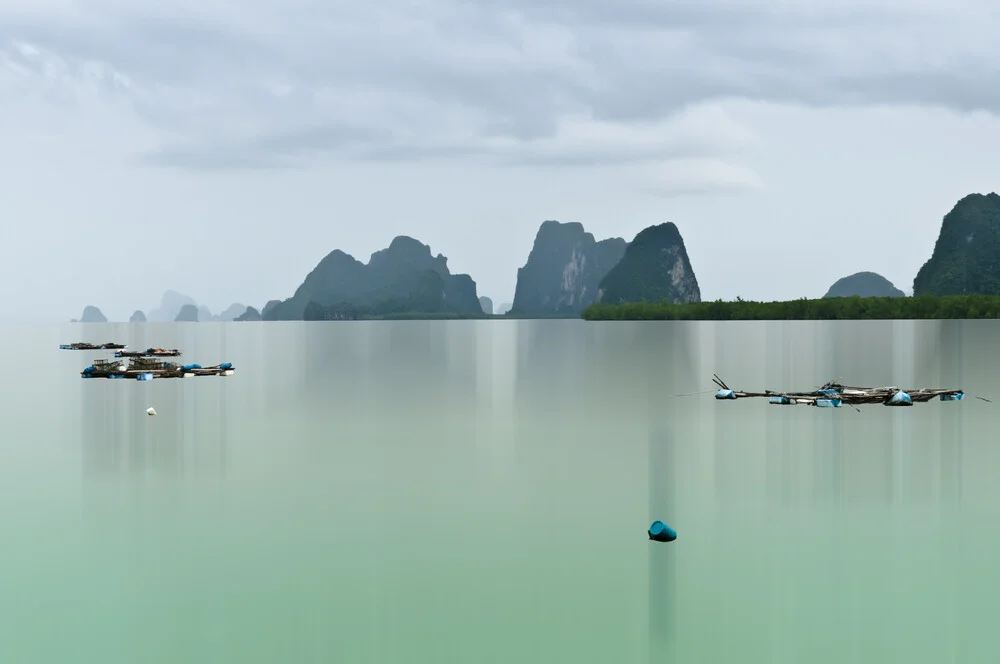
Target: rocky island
563 271
863 284
92 314
966 256
251 314
188 314
403 280
654 268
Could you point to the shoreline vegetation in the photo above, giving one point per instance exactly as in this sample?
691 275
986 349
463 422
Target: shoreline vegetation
949 307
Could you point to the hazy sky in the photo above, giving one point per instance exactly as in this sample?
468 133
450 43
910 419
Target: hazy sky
221 148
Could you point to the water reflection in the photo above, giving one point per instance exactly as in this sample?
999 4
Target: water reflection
842 456
189 434
805 534
663 505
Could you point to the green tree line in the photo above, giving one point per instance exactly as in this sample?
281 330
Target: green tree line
835 308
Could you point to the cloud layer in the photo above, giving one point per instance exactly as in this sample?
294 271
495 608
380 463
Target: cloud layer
258 84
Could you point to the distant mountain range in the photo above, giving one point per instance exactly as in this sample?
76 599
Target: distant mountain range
567 269
174 307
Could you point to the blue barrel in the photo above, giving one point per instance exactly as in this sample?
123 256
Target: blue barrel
661 532
900 398
226 365
189 367
952 397
828 403
779 400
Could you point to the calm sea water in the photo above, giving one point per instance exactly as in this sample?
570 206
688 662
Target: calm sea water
479 492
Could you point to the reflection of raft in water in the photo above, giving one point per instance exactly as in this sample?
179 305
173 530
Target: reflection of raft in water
149 352
833 395
81 345
149 368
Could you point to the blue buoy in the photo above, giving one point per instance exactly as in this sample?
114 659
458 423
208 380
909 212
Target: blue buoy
661 532
725 394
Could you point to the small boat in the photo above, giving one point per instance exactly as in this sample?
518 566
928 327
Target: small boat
149 352
81 345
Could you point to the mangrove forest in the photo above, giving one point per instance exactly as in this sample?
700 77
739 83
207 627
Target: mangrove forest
834 308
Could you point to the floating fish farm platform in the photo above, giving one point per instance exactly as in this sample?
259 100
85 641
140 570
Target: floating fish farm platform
834 395
149 369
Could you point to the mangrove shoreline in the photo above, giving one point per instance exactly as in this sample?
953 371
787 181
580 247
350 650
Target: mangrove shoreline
834 308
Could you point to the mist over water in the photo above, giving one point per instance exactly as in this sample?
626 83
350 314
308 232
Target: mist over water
479 491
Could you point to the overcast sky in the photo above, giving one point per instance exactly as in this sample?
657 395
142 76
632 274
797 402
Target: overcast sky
221 148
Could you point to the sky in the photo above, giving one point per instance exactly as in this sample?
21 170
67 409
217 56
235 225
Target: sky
222 148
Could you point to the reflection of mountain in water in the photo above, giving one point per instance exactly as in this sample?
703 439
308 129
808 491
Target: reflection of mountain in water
418 365
625 369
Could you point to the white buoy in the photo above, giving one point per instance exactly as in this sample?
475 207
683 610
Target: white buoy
151 411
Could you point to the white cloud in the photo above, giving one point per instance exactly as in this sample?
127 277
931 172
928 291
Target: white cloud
27 70
563 82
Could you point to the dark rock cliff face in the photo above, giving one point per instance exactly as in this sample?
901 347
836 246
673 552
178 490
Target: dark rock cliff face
187 314
863 284
655 268
563 270
250 314
137 317
966 257
487 304
92 314
269 307
403 277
